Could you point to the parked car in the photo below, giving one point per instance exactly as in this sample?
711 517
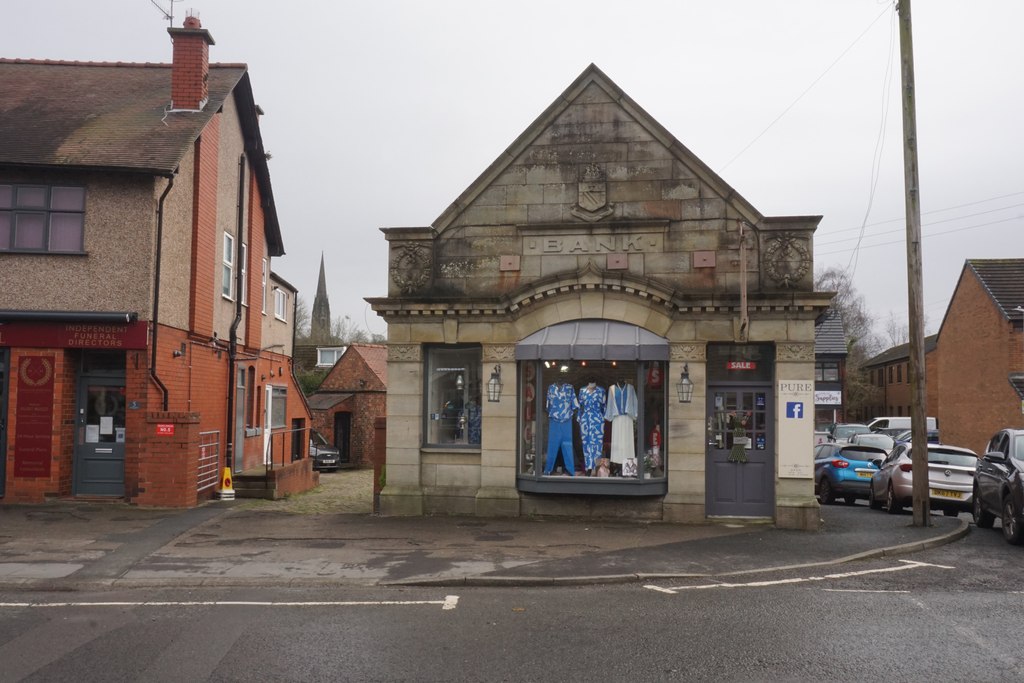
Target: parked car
998 485
323 455
841 433
820 437
878 440
905 435
844 471
900 423
950 479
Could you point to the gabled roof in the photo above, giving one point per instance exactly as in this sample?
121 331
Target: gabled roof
115 117
900 353
376 358
830 335
594 77
1003 279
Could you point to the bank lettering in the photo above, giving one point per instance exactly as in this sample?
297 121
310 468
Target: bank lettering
592 244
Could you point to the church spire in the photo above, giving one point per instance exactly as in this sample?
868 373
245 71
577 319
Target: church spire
320 322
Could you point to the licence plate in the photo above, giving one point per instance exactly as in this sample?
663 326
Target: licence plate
864 475
943 493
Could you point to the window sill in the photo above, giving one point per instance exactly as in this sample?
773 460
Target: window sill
460 448
42 252
592 486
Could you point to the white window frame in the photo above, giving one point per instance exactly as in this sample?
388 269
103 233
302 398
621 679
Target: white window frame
245 274
263 289
280 304
227 285
337 351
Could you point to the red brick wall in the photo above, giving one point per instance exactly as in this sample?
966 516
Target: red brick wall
204 231
190 68
975 355
167 472
254 268
352 374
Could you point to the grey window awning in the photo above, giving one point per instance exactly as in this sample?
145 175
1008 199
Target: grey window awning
592 340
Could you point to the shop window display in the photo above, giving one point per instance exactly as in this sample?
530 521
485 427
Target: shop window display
592 418
453 396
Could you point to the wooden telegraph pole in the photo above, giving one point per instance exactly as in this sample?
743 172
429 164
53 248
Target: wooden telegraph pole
915 293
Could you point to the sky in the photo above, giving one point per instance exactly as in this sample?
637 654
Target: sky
380 113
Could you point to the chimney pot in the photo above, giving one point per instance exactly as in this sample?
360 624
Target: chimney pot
192 22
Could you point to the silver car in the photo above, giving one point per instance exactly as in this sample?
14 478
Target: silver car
883 441
950 479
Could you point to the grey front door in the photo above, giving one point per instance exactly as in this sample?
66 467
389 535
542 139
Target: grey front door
740 461
4 360
99 446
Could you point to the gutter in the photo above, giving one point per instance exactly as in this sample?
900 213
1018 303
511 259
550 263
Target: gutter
95 317
156 292
233 334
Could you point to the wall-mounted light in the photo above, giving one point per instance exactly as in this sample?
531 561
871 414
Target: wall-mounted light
494 385
459 382
178 353
685 386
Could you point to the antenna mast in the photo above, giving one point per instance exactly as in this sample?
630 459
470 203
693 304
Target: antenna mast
168 13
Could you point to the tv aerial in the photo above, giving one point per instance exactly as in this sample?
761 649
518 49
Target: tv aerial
169 12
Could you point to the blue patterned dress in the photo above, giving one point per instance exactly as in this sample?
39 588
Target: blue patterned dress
591 419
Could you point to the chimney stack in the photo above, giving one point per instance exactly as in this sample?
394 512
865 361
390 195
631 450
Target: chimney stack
190 71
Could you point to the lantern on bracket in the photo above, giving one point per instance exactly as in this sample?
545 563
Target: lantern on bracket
494 385
685 386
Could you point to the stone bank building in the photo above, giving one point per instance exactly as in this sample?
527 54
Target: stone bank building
601 326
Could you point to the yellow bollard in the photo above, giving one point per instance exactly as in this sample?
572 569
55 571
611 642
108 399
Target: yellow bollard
227 492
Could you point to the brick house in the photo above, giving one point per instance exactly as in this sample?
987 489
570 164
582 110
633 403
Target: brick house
145 342
978 377
351 397
889 371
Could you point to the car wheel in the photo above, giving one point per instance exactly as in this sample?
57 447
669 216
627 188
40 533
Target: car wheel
850 500
982 519
825 493
1011 525
892 506
873 502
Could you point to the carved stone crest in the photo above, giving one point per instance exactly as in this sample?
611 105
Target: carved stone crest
687 352
499 353
410 269
404 352
794 352
786 260
592 204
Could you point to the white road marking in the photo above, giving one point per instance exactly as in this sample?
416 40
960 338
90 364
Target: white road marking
858 590
906 564
450 602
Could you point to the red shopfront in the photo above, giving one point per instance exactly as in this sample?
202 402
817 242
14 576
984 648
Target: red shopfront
72 394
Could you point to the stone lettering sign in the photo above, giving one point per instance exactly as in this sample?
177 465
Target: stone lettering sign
592 244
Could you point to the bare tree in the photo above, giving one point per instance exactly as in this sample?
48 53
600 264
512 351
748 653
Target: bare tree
302 319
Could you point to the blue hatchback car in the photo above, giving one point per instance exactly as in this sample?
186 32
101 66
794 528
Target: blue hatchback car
844 471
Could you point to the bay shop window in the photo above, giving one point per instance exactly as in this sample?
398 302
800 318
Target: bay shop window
592 410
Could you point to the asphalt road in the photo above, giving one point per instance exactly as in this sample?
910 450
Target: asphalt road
946 614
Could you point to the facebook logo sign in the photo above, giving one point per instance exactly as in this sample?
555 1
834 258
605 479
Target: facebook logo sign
794 409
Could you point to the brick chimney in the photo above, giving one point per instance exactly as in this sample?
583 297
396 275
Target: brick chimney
190 71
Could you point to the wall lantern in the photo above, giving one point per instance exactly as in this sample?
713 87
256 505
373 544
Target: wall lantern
459 382
685 386
494 385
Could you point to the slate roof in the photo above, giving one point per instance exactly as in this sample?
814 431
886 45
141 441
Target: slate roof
1017 382
830 335
113 116
901 352
326 400
1003 279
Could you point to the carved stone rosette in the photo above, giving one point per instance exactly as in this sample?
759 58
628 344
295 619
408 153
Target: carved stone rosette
787 259
410 267
412 353
688 352
794 352
499 353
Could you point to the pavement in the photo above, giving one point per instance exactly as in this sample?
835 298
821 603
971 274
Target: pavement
329 536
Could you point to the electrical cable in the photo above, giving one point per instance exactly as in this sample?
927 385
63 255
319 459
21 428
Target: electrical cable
801 95
928 213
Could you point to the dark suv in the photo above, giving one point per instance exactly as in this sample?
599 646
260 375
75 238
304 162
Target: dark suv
998 485
323 455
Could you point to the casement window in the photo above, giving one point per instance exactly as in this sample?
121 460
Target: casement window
227 285
278 407
280 304
454 385
826 371
42 219
245 274
263 289
326 357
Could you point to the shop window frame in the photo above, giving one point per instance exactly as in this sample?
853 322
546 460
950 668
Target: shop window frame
463 423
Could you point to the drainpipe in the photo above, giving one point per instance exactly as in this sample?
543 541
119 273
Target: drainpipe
233 334
156 291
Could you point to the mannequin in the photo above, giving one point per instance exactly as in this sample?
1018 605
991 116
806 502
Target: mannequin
591 400
621 412
561 403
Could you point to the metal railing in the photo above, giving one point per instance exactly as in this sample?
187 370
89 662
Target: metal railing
208 471
281 447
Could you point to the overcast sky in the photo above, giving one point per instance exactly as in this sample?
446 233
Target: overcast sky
380 113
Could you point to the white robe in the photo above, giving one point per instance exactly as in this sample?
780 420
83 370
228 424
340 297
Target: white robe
621 411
